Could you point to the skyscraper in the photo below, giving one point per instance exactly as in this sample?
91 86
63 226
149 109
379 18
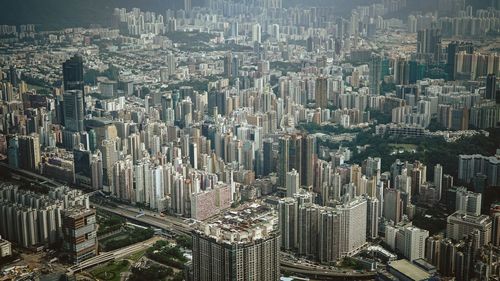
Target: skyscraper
468 202
329 237
231 65
401 71
96 170
495 239
353 220
307 229
187 5
308 160
284 159
81 164
296 151
73 110
79 233
321 92
241 246
438 180
73 73
287 209
429 44
267 157
29 152
372 219
392 205
292 183
414 242
235 29
453 49
375 74
13 152
13 75
171 64
228 65
491 87
257 33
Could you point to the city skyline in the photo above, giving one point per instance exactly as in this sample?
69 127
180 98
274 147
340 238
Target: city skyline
250 140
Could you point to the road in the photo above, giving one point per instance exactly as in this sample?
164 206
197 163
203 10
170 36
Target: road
322 273
113 255
33 177
167 223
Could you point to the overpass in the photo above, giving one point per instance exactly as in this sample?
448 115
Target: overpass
109 256
176 226
321 273
30 176
166 223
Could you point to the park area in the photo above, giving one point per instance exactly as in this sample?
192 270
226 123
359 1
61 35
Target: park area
111 271
127 236
114 232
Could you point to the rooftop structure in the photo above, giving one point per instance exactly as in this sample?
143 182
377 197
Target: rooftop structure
406 271
460 225
241 227
238 245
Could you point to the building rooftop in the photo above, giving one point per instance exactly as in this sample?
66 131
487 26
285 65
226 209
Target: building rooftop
242 226
425 265
409 270
469 218
78 211
3 241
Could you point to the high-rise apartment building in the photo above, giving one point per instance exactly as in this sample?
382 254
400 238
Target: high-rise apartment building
393 206
372 219
460 225
321 92
257 33
171 64
375 74
238 246
353 228
283 159
79 233
467 202
407 240
292 183
438 180
31 219
329 235
308 223
452 49
287 209
414 242
471 165
491 87
29 152
429 44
